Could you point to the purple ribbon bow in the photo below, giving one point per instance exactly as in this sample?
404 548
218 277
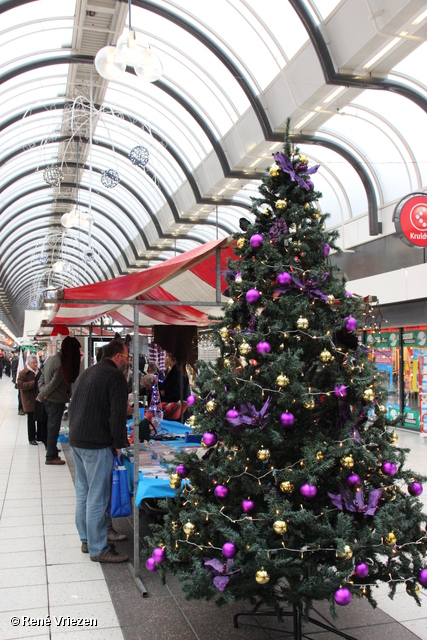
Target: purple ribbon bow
355 502
301 168
220 572
250 417
310 287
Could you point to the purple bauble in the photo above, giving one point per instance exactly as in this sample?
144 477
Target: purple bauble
256 240
340 391
159 555
415 489
191 400
326 250
221 492
248 506
287 419
342 596
182 470
351 323
238 276
232 414
361 570
151 564
353 480
308 491
229 550
252 296
348 294
263 347
422 577
388 468
284 278
210 439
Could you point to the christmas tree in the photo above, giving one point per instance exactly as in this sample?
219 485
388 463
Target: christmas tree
300 493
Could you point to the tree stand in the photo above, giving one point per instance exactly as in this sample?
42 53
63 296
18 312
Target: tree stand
297 616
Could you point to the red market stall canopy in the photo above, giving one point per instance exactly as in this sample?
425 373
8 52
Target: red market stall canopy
184 290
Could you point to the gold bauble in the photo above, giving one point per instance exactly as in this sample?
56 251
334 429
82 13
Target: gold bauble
280 527
412 588
238 279
307 206
282 380
309 404
325 356
175 526
175 481
390 539
381 408
241 243
286 486
302 323
393 437
211 405
347 461
245 348
346 553
262 576
281 347
189 528
223 332
274 170
303 159
227 362
369 395
191 421
281 204
263 454
331 299
319 455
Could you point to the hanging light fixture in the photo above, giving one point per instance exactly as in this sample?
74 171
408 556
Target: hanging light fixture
110 62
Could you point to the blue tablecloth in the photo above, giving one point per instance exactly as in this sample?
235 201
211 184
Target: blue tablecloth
152 487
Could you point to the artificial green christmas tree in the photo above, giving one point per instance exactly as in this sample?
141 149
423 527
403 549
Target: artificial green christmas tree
300 493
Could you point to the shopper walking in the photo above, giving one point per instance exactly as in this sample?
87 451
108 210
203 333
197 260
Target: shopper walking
27 388
97 428
59 372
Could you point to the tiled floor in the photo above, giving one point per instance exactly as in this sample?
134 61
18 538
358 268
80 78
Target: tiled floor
44 575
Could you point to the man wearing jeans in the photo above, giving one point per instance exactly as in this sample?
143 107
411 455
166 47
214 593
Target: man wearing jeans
55 392
97 428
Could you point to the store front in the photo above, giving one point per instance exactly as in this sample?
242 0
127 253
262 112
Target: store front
401 358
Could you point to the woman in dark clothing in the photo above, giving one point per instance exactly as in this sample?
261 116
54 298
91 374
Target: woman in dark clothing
40 414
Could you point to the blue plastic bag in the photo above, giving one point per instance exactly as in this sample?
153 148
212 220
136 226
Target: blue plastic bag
120 497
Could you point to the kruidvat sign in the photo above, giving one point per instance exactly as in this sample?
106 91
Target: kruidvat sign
410 219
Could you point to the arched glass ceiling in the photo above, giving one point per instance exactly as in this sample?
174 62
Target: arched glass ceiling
232 74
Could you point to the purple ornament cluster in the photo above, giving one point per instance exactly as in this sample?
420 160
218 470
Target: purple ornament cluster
157 557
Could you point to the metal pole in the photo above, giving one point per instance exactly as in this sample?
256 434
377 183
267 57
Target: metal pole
218 274
401 373
135 373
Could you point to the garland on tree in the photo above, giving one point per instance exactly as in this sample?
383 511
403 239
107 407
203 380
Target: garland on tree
302 494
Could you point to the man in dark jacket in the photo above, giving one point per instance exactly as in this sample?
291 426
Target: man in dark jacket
26 385
55 392
97 428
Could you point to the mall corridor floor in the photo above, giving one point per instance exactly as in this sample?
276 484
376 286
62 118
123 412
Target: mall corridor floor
45 577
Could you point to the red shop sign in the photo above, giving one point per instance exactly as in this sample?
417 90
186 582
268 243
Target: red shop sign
410 219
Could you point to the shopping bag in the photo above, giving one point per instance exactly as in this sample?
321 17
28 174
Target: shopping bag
120 497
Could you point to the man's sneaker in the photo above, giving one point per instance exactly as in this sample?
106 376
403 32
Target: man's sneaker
110 556
115 536
57 460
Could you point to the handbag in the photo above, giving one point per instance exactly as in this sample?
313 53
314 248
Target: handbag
120 497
